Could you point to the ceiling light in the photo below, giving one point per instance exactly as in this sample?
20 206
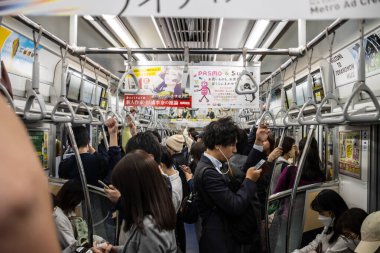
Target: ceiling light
88 17
124 35
159 34
218 35
257 33
273 35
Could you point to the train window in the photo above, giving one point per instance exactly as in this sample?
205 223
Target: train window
98 93
73 88
87 92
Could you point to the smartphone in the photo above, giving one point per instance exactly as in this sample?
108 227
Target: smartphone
260 164
104 185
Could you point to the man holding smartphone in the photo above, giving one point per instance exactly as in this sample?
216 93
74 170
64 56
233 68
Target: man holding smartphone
217 203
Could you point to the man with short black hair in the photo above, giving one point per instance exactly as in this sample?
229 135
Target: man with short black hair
95 165
216 202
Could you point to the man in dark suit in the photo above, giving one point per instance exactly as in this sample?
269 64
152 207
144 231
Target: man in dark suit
215 200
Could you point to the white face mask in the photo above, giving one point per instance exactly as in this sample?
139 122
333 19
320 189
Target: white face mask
326 221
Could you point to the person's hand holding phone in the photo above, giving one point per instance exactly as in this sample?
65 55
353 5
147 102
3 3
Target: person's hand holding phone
112 193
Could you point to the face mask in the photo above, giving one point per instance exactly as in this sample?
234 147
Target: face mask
326 221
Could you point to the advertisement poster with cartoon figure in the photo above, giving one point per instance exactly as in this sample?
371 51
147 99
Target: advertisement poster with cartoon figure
214 87
350 153
160 86
17 52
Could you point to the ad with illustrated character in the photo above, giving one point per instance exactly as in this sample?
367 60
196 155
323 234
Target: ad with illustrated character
350 153
214 87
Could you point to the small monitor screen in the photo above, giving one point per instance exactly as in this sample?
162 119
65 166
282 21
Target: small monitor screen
87 92
98 93
74 88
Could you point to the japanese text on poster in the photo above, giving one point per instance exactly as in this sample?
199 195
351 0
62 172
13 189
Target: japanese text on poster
214 87
350 153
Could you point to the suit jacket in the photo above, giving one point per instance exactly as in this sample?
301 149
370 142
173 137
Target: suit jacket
216 202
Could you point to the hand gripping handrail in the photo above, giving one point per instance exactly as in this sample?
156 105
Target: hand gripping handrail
33 92
358 116
268 113
82 104
310 100
287 121
329 81
83 181
129 73
245 72
62 99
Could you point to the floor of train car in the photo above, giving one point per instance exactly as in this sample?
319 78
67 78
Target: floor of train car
191 239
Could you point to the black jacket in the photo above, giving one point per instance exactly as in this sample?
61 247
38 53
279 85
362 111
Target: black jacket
264 181
96 166
216 202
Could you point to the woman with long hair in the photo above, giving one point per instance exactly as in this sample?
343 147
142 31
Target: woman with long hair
146 203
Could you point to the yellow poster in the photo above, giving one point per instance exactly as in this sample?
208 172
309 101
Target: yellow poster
350 153
4 34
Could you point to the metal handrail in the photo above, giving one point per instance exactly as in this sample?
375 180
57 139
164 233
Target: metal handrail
266 228
33 93
62 99
287 193
83 181
82 104
310 100
361 87
293 106
245 72
132 75
329 81
268 113
296 182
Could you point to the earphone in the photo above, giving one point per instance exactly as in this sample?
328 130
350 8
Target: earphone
228 163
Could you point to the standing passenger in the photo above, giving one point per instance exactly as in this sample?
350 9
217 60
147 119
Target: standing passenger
216 202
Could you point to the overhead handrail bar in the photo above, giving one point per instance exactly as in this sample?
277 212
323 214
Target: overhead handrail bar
225 51
267 113
82 104
326 118
129 74
296 182
61 43
33 93
310 97
282 112
254 87
360 115
315 41
293 106
83 180
62 100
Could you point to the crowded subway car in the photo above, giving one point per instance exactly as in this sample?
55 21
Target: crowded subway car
194 126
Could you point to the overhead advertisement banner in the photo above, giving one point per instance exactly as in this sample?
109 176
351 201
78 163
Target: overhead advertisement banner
160 86
17 52
249 9
345 62
214 87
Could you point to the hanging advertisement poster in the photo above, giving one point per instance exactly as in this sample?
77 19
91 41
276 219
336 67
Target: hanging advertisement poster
214 87
350 153
160 86
17 52
345 62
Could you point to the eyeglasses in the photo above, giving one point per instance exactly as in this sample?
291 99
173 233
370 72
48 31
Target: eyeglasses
350 235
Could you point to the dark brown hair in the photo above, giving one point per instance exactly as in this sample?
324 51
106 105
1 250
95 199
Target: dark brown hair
143 191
